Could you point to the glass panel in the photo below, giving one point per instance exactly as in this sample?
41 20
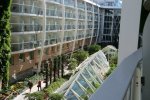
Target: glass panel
91 70
77 89
83 82
71 96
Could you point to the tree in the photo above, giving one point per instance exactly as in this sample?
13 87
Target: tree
80 55
72 64
63 62
58 65
5 47
51 70
93 48
54 67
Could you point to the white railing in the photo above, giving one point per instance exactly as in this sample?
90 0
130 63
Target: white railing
26 27
124 83
25 45
30 9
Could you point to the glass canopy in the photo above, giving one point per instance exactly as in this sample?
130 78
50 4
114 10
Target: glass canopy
89 77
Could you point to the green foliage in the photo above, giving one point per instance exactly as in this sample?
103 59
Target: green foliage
52 87
96 85
113 60
72 64
110 71
5 42
87 94
44 93
19 85
93 48
35 96
80 55
56 96
64 58
113 65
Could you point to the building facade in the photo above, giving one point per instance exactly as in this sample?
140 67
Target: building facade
42 29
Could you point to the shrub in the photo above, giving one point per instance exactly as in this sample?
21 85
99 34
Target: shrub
56 96
80 55
72 64
93 48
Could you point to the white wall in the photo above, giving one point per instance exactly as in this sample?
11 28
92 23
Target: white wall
129 29
146 60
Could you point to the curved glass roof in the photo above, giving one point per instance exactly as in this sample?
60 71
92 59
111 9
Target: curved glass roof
87 79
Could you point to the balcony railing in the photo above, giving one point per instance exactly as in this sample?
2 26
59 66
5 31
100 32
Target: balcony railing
18 27
124 83
68 38
69 3
89 8
53 13
53 27
89 26
58 1
69 15
95 26
90 18
81 6
52 41
88 35
79 36
96 10
81 26
69 27
25 45
81 16
19 8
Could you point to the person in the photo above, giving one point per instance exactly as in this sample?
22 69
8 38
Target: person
39 85
30 84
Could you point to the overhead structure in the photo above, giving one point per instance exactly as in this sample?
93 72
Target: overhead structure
89 77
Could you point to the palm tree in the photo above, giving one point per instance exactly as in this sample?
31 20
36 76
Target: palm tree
63 63
58 65
51 70
54 68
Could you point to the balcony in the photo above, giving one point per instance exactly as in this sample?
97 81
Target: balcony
80 36
24 45
67 27
52 41
81 6
125 82
69 15
18 27
57 1
90 18
81 27
53 27
89 26
88 35
53 13
68 38
81 16
20 8
96 26
69 3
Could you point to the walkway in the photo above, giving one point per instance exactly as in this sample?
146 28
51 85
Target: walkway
34 89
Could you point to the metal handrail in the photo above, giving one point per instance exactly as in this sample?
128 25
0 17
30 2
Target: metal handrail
116 85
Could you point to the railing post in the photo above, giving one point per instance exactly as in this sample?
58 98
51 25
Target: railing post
137 83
